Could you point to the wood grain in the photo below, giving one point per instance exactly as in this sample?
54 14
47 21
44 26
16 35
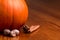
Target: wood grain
45 13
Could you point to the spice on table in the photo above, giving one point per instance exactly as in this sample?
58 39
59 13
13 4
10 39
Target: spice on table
6 31
34 27
14 32
28 29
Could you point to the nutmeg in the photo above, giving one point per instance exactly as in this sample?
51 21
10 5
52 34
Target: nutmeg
6 31
14 32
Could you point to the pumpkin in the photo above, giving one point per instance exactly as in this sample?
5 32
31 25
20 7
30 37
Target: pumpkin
13 14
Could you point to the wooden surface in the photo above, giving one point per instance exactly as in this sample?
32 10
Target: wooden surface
46 13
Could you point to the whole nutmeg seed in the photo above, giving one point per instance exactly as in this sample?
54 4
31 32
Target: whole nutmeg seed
14 32
6 31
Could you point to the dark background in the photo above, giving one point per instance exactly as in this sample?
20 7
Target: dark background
50 7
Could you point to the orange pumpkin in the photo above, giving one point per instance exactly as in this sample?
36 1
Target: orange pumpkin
13 14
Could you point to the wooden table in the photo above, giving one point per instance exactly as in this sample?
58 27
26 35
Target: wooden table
46 13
